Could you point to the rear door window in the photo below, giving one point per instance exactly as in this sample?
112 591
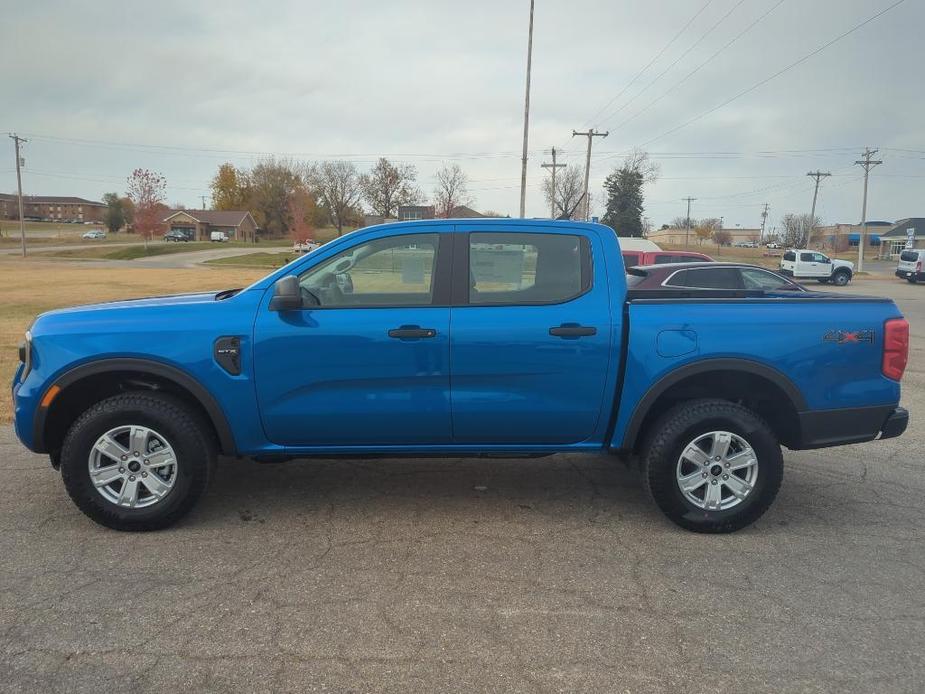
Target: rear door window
789 256
515 268
807 257
909 256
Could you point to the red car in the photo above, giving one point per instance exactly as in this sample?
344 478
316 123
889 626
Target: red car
633 257
706 276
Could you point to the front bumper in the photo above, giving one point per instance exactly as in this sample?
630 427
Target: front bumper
823 428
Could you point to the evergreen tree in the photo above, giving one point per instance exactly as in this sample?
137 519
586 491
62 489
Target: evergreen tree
624 201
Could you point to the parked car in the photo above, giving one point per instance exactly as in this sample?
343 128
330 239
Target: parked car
772 245
813 265
448 338
633 258
746 244
94 234
709 276
176 235
218 236
306 246
910 265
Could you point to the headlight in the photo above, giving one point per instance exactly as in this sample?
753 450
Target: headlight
25 355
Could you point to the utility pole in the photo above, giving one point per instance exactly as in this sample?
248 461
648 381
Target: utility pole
591 134
818 175
764 218
867 163
553 167
523 167
687 234
203 198
22 224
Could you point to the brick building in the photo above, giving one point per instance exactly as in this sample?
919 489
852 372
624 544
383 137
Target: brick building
238 225
52 208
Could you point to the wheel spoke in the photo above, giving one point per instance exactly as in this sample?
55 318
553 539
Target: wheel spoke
741 460
105 475
129 494
712 497
721 441
692 482
695 455
138 439
155 484
161 458
111 448
738 486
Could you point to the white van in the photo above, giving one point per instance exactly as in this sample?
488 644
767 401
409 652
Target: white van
910 265
218 236
802 264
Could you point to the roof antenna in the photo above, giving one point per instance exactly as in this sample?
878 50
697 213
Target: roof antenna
568 215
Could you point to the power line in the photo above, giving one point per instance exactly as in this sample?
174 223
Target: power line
699 67
679 58
776 74
658 55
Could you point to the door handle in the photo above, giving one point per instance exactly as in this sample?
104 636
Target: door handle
406 332
572 330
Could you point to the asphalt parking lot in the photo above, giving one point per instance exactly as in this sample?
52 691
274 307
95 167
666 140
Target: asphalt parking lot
477 575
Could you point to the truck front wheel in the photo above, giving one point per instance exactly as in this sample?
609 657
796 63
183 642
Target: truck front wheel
137 461
840 278
712 466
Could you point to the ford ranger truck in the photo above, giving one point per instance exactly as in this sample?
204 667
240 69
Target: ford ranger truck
457 338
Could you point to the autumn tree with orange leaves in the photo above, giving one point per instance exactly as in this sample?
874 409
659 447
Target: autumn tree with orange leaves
147 191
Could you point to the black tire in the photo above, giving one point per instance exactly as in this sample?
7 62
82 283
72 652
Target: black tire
840 278
187 433
681 425
912 280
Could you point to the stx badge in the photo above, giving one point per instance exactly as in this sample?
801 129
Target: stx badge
841 337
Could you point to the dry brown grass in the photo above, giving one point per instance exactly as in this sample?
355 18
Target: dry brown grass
30 287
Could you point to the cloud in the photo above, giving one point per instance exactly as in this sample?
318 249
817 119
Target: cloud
424 81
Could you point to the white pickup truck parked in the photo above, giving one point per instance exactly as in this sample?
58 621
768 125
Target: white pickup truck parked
813 265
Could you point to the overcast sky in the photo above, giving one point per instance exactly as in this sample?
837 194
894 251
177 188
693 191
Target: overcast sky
179 87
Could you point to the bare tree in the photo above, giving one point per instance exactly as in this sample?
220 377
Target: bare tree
721 237
389 185
569 187
337 183
681 222
795 229
639 162
451 190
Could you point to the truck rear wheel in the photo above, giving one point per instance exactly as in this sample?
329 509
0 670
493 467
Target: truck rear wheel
137 461
712 466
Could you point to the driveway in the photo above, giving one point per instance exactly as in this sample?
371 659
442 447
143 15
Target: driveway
550 575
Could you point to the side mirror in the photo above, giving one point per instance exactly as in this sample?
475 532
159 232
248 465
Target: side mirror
286 294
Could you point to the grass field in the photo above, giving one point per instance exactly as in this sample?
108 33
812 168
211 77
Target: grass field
23 295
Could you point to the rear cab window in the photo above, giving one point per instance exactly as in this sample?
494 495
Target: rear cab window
909 256
527 268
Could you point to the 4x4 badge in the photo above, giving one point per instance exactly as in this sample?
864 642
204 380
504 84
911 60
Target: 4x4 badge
840 337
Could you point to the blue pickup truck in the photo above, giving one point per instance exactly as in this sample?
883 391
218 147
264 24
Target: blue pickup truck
514 338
